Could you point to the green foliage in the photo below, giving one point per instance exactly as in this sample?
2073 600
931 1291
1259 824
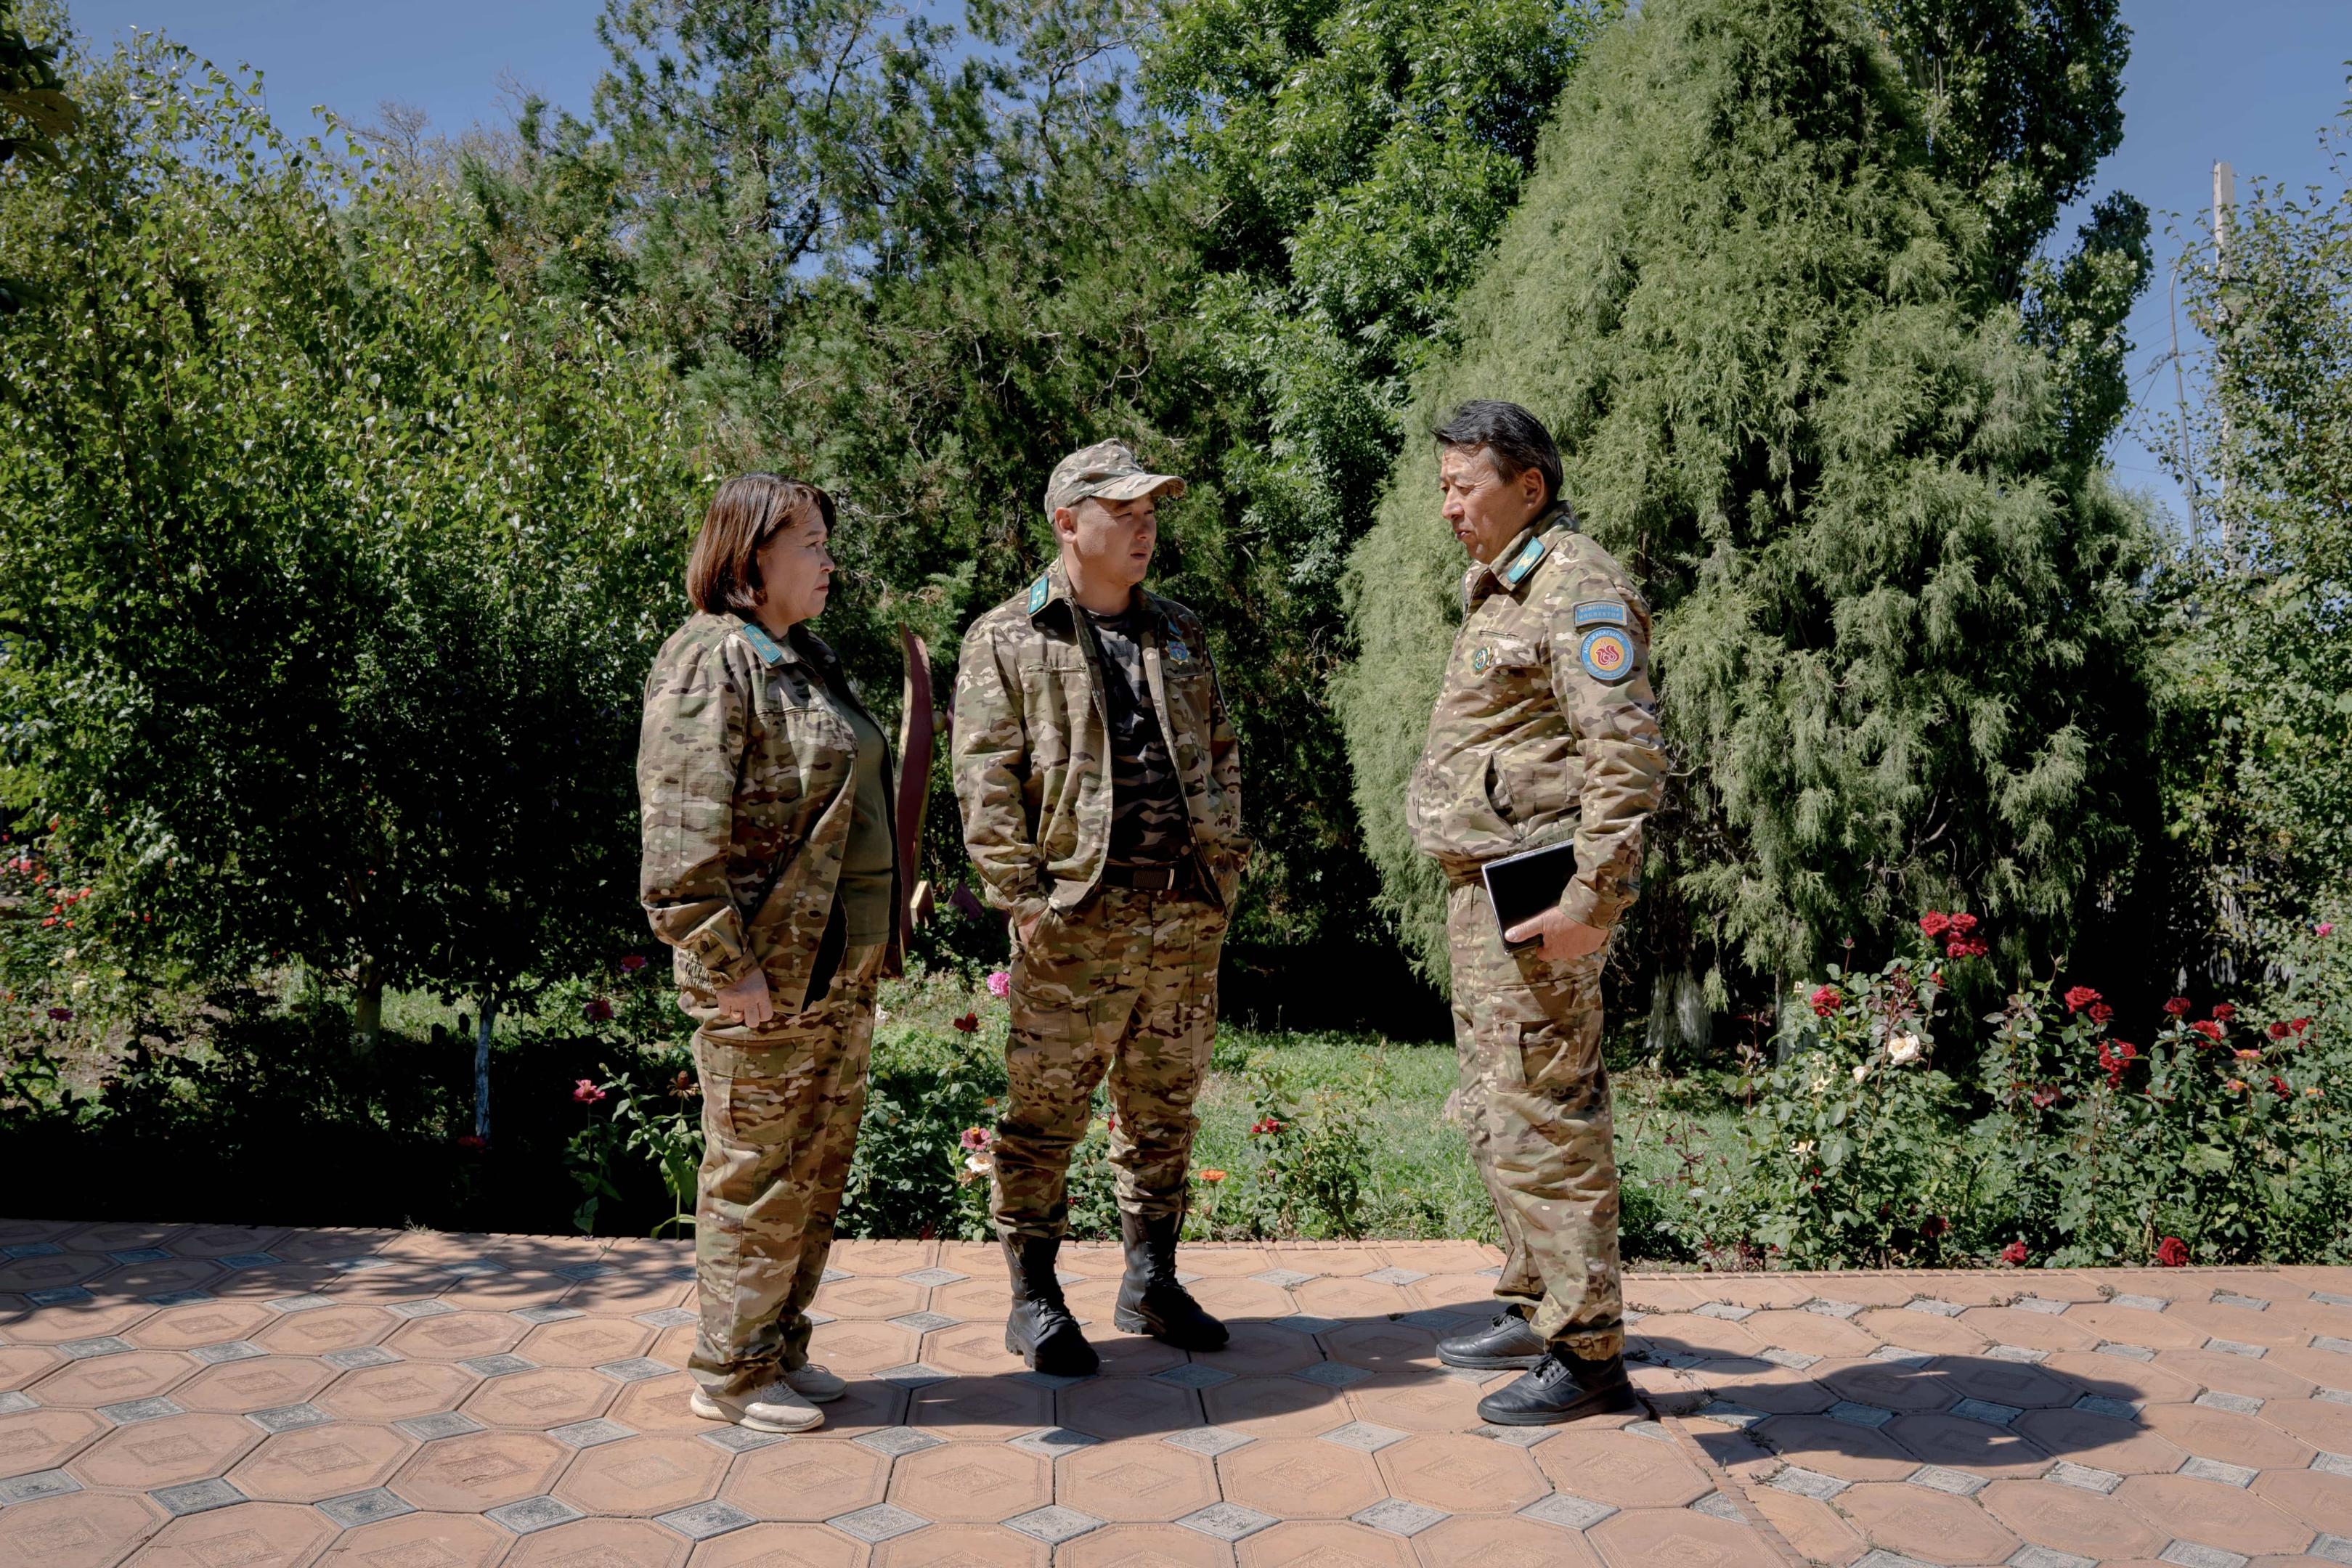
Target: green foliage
1898 650
330 567
2259 640
1308 1165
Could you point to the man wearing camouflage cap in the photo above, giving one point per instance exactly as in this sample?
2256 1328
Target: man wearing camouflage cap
1546 732
1100 786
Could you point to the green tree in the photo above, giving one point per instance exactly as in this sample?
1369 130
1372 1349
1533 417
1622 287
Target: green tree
2260 634
328 569
1897 641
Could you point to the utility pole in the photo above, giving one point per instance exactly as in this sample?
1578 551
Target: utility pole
2225 201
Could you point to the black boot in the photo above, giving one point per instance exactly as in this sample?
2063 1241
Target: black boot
1507 1344
1041 1330
1150 1301
1562 1387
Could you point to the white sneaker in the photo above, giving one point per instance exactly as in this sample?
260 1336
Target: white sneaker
816 1384
773 1409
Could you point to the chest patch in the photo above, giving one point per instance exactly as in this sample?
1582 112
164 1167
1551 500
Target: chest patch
1482 659
1607 654
1599 612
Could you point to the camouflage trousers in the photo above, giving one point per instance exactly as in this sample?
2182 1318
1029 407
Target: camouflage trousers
780 1110
1535 1098
1125 984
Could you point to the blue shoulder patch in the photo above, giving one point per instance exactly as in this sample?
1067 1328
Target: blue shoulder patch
1039 592
1600 613
1522 563
1177 653
761 644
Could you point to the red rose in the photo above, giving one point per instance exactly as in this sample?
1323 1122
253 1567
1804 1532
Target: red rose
2044 1096
2079 997
2013 1253
1826 1000
2209 1029
1934 1225
1935 924
1963 923
2276 1031
2298 1025
2279 1088
2100 1012
633 962
2171 1252
2177 1007
969 1024
2224 1011
598 1010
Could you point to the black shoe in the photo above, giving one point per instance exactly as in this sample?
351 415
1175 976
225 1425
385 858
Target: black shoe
1150 1301
1041 1330
1562 1387
1509 1343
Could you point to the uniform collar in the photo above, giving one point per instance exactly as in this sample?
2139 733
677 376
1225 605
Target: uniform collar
1053 587
797 646
1514 565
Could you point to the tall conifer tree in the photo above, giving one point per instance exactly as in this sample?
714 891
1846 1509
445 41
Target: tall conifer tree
1896 626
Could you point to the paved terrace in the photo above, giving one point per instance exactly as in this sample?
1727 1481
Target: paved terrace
218 1397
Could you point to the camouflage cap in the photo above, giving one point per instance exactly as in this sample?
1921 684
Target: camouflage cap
1106 469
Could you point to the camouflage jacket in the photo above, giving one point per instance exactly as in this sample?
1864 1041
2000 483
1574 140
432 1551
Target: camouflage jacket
1033 748
1546 726
747 783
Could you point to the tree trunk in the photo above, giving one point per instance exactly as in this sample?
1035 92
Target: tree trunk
367 1008
482 1068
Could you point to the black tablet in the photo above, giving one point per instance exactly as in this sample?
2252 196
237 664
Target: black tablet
1522 886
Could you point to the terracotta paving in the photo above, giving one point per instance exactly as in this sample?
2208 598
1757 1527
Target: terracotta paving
216 1396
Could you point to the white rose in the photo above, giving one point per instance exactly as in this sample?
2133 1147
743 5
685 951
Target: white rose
1861 1070
1805 1147
1903 1048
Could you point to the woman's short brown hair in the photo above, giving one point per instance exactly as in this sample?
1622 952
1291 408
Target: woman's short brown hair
723 572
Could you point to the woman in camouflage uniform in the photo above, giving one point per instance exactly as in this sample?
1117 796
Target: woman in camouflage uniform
769 867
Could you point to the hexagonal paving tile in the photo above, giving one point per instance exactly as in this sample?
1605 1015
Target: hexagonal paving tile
1818 1531
1455 1472
1962 1444
542 1400
22 1364
329 1328
1417 1402
980 1409
1814 1334
320 1462
481 1472
966 1483
1258 1348
81 1530
974 1347
585 1342
1496 1542
2234 1373
2070 1519
1838 1447
156 1277
659 1405
2113 1377
644 1476
165 1452
49 1272
263 1384
1688 1333
2226 1435
2218 1320
1293 1477
1144 1546
43 1439
201 1324
459 1336
2036 1330
2319 1499
1762 1386
2102 1442
2022 1387
870 1298
1923 1523
1276 1407
1341 1545
1356 1299
2135 1325
807 1480
2322 1422
1621 1468
1888 1384
397 1392
1138 1481
423 1540
251 1535
112 1379
1382 1347
73 1321
1128 1407
1922 1332
600 1543
2213 1514
862 1345
1646 1537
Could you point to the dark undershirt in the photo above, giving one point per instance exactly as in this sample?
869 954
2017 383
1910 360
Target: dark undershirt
1148 824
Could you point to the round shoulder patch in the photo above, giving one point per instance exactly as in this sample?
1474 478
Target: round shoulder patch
1607 654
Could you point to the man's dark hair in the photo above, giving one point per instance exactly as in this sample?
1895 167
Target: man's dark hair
1513 439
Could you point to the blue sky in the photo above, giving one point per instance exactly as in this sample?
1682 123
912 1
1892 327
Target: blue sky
2254 82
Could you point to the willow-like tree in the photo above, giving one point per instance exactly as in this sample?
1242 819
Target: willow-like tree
1897 639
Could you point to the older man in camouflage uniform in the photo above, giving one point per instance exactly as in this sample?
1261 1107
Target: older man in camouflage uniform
1101 785
1545 731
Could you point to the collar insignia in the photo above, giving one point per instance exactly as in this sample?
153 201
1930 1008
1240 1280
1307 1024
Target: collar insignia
1039 592
770 653
1522 563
